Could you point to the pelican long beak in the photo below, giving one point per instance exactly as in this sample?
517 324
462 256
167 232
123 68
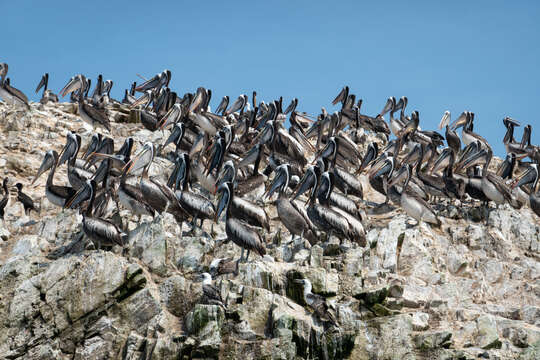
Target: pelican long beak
73 85
143 99
442 161
279 181
171 117
41 83
80 196
46 164
474 159
460 121
141 160
527 177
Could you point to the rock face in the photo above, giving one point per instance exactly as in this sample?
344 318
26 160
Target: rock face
466 290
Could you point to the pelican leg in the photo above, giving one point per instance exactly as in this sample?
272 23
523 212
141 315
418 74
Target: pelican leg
241 256
247 256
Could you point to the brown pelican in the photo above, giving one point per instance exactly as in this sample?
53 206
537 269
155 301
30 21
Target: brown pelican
89 113
316 302
222 107
118 160
77 177
506 168
26 200
345 182
132 198
57 195
371 154
48 95
248 183
327 218
160 197
211 292
195 204
5 199
156 82
10 94
291 215
530 176
493 186
415 206
344 207
237 231
452 138
238 104
129 96
100 231
465 120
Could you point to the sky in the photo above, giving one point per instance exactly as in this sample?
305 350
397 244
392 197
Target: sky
481 56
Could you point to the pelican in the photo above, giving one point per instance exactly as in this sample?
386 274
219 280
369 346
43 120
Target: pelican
77 177
237 231
48 95
465 120
132 198
493 186
291 215
57 195
89 113
195 204
157 195
415 206
530 176
100 231
10 94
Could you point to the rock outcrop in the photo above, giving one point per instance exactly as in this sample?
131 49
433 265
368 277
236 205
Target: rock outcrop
469 289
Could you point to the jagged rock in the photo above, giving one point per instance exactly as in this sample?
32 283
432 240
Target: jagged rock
433 340
204 322
488 337
420 321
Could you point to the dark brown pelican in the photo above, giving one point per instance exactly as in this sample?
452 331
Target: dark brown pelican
77 177
89 113
198 206
493 186
291 215
5 199
222 107
10 94
160 197
506 168
156 82
415 206
530 176
24 199
468 136
452 138
132 198
100 231
48 95
57 195
237 230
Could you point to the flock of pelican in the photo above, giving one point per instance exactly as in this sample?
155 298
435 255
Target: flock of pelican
232 160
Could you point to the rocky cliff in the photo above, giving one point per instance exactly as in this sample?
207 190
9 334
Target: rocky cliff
469 289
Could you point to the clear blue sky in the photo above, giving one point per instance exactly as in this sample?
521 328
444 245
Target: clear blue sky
483 56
